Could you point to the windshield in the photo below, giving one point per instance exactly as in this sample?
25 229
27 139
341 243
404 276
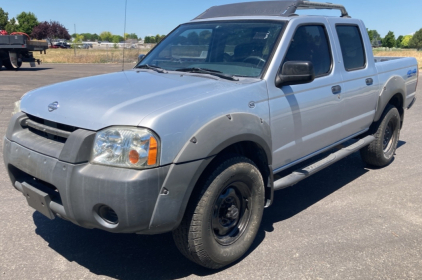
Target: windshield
235 48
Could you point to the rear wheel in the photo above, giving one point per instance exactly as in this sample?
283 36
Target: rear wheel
386 131
9 65
224 215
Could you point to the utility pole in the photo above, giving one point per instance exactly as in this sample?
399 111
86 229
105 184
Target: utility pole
74 46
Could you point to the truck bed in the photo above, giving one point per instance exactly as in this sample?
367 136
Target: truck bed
11 42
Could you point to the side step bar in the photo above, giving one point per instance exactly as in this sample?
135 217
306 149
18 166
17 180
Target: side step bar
304 173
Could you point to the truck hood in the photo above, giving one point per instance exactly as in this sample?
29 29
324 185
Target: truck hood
122 98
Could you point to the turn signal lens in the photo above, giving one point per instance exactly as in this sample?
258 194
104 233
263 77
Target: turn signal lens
153 148
133 157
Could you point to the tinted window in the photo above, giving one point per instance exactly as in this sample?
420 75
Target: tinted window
351 47
310 43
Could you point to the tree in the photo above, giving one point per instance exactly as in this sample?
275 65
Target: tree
389 40
4 19
50 30
406 41
79 38
27 22
11 26
106 36
416 41
132 36
375 37
398 41
158 38
87 36
117 39
149 39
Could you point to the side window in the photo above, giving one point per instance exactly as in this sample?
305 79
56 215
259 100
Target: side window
351 47
310 43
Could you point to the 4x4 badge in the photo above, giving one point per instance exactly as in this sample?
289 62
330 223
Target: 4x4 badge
53 106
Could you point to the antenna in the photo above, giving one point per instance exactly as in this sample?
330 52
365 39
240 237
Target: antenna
124 39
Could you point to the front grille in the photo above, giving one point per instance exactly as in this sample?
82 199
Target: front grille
48 129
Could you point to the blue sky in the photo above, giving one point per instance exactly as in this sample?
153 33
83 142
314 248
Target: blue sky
160 17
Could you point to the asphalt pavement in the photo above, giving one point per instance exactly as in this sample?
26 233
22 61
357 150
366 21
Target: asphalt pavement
346 222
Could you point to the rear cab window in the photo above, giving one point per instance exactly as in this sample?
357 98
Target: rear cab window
352 47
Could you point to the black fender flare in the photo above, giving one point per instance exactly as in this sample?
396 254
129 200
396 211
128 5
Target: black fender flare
224 131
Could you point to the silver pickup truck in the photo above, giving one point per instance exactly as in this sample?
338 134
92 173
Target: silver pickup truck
191 139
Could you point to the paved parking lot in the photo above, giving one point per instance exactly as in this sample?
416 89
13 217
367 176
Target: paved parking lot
346 222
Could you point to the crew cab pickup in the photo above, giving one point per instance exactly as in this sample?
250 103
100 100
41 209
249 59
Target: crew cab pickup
191 139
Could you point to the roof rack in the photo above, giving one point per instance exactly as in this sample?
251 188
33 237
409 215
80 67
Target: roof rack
307 5
268 8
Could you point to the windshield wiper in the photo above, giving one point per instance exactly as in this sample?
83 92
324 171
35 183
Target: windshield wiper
209 72
152 67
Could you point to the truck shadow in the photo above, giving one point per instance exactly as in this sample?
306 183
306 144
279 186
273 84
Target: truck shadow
28 69
133 256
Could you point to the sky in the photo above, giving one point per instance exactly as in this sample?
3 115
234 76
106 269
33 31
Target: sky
147 18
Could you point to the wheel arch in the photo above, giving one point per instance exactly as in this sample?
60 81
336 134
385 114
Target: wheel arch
220 133
394 93
238 133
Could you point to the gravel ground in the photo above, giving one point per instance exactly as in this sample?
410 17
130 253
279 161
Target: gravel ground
346 222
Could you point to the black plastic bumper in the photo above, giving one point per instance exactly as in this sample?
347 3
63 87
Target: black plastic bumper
132 194
147 201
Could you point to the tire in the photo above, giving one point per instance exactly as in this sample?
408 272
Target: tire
224 214
386 131
9 66
1 64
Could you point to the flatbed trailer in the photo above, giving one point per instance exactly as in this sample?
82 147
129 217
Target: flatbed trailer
16 49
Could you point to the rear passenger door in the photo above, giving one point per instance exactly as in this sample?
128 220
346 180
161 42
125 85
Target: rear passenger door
360 79
306 118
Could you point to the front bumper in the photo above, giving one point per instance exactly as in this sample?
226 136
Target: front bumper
81 188
147 201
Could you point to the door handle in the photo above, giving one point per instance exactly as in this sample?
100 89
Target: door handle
336 89
369 81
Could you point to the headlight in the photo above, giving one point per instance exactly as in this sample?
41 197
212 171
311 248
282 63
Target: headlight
126 147
17 108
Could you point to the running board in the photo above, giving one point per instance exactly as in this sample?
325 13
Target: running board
304 173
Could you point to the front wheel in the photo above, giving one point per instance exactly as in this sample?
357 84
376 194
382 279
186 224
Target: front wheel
386 131
223 216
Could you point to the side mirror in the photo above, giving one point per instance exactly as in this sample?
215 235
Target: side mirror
140 57
295 73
